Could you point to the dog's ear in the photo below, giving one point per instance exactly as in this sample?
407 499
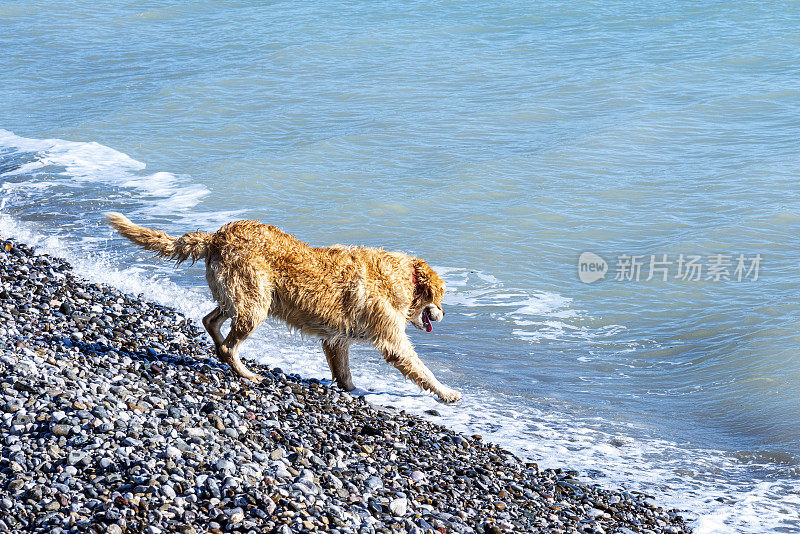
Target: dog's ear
429 287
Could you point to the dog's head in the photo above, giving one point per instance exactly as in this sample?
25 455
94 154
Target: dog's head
428 294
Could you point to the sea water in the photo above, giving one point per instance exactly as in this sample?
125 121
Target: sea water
608 189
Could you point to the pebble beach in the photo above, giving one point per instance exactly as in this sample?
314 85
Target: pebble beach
116 417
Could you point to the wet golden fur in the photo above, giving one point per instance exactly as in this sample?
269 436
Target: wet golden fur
340 294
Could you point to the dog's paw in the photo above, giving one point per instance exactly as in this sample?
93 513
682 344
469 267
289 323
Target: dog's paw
255 378
448 395
346 386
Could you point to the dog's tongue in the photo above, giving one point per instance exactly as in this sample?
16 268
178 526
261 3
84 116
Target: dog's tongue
426 321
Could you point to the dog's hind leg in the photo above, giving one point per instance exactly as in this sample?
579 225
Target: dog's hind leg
213 321
338 356
228 351
401 354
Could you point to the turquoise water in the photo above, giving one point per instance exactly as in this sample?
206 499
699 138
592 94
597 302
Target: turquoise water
499 142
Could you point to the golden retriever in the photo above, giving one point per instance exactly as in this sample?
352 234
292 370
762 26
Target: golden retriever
339 294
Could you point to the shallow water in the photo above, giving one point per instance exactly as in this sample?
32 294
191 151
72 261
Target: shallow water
499 142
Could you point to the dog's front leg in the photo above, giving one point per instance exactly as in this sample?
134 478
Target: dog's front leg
338 356
401 354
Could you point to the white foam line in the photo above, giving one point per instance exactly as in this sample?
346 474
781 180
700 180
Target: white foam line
100 269
90 161
81 160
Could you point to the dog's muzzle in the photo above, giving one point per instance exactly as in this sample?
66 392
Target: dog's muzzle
429 314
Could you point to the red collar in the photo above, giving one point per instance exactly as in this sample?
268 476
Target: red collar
414 277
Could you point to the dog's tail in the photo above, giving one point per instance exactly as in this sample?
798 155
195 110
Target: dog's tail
193 245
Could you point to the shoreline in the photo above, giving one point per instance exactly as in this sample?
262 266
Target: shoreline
116 417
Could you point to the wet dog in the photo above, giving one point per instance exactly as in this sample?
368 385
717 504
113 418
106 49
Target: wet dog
339 294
